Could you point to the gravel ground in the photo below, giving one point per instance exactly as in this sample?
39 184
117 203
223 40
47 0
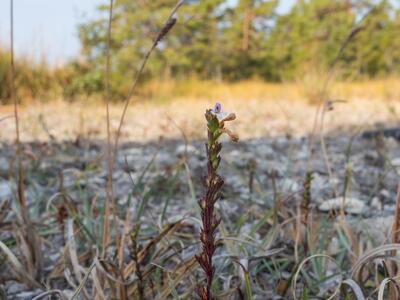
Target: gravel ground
255 170
63 154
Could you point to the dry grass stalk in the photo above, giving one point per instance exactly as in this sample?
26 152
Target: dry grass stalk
170 22
306 200
354 251
393 268
396 221
324 99
109 186
29 236
135 257
305 210
112 152
252 169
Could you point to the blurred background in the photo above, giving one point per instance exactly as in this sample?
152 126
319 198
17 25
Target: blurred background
268 54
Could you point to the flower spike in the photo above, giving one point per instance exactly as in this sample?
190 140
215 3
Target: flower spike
216 119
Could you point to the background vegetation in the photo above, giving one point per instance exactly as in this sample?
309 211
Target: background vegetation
223 40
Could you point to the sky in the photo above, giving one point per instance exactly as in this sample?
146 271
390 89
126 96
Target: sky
45 28
48 28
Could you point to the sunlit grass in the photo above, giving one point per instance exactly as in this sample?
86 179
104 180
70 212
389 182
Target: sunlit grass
270 109
303 89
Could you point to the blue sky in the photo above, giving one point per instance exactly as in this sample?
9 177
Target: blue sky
48 28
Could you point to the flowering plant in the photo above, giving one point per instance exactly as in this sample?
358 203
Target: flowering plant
216 120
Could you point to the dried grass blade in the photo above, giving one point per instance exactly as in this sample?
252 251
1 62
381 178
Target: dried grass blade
83 282
382 286
169 229
371 255
181 273
97 285
18 268
51 292
72 249
355 287
302 265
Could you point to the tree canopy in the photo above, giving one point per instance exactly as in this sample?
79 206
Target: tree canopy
238 39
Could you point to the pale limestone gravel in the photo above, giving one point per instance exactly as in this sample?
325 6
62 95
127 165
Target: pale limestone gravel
150 121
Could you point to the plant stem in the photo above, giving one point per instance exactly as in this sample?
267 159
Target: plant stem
213 184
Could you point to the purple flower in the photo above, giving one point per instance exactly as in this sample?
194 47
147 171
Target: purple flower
217 108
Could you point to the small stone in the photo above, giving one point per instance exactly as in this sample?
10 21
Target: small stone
239 158
395 162
4 164
5 190
371 157
377 228
385 194
68 293
318 184
376 203
16 288
264 151
71 177
28 294
351 205
390 208
163 160
289 185
334 245
183 150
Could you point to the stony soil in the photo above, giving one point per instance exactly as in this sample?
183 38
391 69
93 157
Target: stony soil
255 171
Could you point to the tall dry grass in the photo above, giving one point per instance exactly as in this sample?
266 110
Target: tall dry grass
304 89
